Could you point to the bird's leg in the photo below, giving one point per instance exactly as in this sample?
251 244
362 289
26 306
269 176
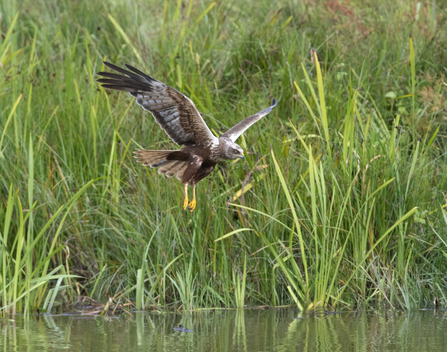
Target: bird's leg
185 203
192 205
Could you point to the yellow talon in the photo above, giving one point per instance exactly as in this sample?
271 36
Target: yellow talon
193 203
185 203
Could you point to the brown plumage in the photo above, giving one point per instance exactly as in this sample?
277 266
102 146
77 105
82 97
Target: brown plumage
180 119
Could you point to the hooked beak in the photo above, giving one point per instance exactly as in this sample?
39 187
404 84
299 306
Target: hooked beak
242 157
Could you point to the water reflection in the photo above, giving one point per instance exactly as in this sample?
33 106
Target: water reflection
230 330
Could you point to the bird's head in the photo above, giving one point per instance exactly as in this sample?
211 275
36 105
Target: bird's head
234 151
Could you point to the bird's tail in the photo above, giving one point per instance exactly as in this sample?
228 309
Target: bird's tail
159 158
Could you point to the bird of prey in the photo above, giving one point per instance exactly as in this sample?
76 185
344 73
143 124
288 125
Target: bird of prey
179 118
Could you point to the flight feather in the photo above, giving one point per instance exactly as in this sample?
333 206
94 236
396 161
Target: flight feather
175 113
234 132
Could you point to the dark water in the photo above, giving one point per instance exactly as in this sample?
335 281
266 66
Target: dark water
248 330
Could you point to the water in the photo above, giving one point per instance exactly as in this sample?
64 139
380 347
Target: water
232 330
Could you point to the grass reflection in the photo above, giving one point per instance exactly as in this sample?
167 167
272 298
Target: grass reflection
232 330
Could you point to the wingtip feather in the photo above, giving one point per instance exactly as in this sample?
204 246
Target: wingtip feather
138 72
112 66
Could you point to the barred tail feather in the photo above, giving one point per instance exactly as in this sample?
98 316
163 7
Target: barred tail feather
152 158
181 171
172 168
159 158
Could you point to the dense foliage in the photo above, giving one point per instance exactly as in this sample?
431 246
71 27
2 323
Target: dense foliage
342 199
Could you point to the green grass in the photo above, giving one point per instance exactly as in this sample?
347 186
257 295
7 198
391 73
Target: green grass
342 199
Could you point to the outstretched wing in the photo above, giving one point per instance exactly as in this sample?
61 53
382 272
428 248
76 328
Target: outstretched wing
176 113
234 132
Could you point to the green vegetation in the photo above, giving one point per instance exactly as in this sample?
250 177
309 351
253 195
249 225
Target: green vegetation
342 200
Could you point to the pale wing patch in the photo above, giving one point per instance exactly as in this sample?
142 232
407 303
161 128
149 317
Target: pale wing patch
234 132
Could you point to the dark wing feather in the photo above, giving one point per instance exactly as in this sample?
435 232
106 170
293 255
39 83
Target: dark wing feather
234 132
175 113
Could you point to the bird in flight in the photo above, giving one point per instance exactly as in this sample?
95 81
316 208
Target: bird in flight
179 118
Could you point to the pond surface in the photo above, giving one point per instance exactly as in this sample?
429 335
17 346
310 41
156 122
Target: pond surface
230 330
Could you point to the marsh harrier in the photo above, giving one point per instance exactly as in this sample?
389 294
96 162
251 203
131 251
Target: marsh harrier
180 119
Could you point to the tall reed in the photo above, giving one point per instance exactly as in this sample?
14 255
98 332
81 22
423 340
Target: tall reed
340 201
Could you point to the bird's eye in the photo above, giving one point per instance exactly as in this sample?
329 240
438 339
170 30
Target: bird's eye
236 151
